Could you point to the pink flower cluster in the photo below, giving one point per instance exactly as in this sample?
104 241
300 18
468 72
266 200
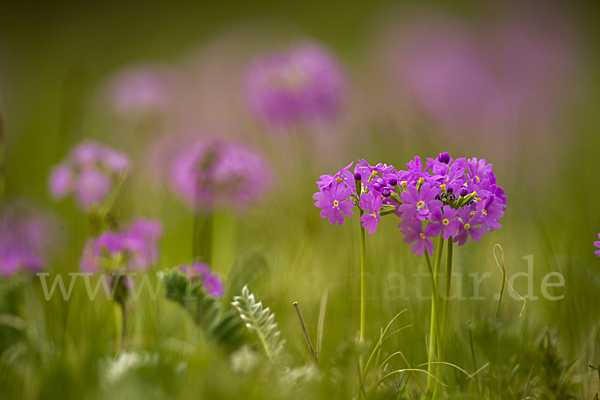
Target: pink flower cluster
212 173
201 272
89 172
303 86
135 248
456 199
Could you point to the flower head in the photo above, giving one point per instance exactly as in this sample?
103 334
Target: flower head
213 172
26 236
303 86
454 198
597 244
140 90
133 249
89 172
201 272
335 203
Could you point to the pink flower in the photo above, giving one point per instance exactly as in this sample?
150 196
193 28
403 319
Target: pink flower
303 86
201 272
26 236
215 173
136 248
89 172
335 203
413 233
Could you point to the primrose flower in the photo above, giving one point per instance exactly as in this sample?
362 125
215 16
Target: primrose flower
211 173
303 86
492 209
343 175
214 285
597 244
419 204
414 233
468 227
133 249
335 202
372 203
89 172
369 187
198 271
455 198
444 220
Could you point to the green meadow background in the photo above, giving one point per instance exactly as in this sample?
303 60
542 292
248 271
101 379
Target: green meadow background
55 57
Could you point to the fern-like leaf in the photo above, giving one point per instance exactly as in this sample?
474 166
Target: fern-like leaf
261 321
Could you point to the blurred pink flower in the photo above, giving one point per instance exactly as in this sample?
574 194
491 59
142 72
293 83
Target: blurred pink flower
491 75
303 86
211 173
136 91
89 171
136 247
201 272
26 236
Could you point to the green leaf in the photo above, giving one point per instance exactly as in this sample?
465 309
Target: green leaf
222 327
261 321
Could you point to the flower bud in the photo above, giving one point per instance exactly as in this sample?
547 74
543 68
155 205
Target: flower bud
444 158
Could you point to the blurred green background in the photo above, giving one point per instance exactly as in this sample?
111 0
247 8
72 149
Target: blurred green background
55 57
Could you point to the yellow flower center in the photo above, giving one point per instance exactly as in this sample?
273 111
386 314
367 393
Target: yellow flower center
484 212
293 78
420 204
422 235
445 221
336 203
375 214
467 226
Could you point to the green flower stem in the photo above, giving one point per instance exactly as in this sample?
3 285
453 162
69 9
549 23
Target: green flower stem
503 280
118 326
2 166
432 327
434 324
363 322
123 322
202 235
444 326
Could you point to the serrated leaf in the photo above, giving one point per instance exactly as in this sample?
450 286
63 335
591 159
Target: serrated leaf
260 321
221 327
